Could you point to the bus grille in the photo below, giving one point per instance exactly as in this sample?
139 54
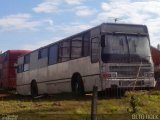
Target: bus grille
129 71
131 83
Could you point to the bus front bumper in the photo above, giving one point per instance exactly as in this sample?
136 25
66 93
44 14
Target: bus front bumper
129 83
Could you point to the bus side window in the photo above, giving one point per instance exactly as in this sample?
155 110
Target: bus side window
26 62
53 54
64 51
86 44
43 53
20 68
76 48
94 50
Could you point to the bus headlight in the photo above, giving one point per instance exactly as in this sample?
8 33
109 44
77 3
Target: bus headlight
113 74
149 74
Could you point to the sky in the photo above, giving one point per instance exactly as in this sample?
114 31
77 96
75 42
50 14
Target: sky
30 24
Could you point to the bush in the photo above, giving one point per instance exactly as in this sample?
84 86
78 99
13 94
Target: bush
134 102
154 92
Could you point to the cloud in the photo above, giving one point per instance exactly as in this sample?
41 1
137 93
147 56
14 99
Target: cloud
74 2
74 28
53 6
18 22
65 30
132 11
129 10
46 7
84 11
50 21
70 29
40 43
35 45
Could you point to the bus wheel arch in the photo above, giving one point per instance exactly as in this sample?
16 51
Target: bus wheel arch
34 88
77 84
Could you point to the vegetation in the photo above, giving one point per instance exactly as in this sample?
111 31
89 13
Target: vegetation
66 107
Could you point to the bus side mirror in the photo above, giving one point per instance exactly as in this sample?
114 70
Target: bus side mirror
103 41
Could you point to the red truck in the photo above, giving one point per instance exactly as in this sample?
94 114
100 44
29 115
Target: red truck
156 61
8 60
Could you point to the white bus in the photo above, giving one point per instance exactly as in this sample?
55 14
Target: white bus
109 56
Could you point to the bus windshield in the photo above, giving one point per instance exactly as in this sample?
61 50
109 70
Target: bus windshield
126 48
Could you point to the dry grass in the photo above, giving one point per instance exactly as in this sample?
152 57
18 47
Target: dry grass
66 107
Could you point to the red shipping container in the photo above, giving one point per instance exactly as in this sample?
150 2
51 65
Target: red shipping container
7 69
156 60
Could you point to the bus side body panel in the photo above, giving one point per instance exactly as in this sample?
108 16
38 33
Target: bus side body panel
21 80
91 75
33 61
60 75
93 78
41 77
57 78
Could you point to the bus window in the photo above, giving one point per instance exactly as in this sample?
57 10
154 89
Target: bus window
64 51
86 46
26 59
76 49
43 53
95 50
20 68
26 62
53 50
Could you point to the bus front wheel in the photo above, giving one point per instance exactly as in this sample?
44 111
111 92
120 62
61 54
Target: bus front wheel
34 89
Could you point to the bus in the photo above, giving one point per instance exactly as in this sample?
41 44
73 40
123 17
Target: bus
7 69
108 56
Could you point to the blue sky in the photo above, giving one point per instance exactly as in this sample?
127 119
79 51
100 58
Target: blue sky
29 24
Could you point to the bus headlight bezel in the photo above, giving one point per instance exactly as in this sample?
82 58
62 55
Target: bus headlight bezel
149 74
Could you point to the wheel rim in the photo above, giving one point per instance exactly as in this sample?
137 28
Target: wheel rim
77 88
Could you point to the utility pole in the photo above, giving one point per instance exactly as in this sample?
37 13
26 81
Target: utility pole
94 104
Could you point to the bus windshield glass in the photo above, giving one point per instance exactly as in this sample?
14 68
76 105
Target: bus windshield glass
126 48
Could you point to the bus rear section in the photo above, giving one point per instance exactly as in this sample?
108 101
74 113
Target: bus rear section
126 60
8 68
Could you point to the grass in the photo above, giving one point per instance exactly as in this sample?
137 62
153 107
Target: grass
66 107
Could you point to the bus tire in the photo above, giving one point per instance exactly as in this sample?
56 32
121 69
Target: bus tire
34 89
77 86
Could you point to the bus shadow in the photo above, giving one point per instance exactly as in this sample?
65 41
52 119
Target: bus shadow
59 97
8 96
53 97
